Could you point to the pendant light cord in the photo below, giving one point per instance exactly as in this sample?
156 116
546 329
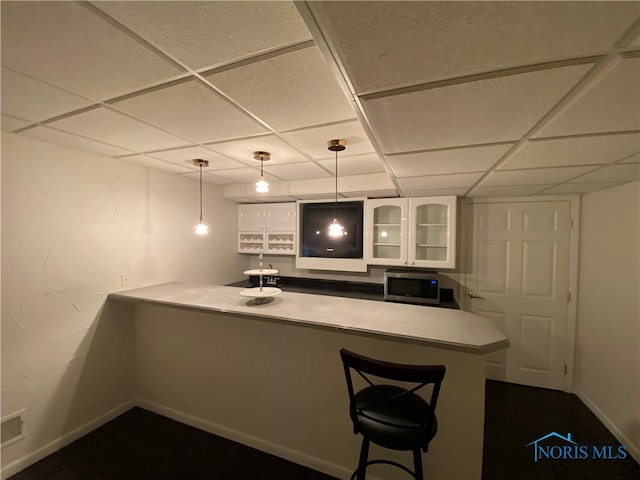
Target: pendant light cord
200 193
335 213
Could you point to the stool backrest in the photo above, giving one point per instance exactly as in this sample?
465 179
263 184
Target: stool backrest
365 367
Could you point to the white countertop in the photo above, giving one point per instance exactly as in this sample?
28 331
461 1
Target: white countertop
437 327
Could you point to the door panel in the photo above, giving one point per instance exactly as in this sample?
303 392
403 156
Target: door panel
538 269
518 275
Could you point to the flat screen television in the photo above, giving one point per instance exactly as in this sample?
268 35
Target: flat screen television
315 219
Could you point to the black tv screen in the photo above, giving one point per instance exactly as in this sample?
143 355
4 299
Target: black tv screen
314 230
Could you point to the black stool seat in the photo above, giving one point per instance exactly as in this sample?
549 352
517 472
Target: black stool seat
394 418
391 415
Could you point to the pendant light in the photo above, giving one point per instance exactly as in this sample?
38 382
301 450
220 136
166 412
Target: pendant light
201 228
335 229
261 185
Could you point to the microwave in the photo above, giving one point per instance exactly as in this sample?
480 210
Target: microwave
412 287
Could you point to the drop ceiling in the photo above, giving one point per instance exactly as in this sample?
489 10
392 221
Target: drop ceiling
433 98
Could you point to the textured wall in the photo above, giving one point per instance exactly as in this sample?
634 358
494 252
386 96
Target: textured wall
72 222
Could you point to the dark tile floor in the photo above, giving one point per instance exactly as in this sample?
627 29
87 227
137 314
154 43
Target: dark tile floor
141 445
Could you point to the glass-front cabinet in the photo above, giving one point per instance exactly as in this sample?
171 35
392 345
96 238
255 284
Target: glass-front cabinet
387 235
413 232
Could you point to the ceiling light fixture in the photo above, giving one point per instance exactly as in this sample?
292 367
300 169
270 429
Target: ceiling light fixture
335 229
201 228
261 185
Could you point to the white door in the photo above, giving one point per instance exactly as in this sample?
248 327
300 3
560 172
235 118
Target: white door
518 275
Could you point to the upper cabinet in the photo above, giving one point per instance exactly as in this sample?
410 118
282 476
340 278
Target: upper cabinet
411 232
251 217
270 227
386 231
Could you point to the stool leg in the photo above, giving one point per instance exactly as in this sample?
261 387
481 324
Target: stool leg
362 463
417 462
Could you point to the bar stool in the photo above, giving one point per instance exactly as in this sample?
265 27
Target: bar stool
389 415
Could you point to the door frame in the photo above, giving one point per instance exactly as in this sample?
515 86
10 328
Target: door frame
466 222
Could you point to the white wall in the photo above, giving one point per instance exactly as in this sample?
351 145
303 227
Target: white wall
608 330
72 222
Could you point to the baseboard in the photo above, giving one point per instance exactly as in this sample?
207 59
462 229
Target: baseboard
60 442
277 450
633 450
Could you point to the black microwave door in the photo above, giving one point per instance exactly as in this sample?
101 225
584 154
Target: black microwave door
412 287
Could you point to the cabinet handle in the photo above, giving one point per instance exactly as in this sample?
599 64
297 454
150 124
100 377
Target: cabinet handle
470 294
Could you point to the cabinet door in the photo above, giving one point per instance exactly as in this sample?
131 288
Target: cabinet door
281 217
386 224
251 217
432 232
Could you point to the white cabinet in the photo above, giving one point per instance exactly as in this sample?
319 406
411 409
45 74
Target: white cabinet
414 232
386 238
269 227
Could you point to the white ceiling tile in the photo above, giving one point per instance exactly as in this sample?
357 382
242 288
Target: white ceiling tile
574 151
632 159
457 160
354 164
207 178
288 91
313 141
186 155
193 111
533 176
68 45
387 45
32 99
242 175
439 181
635 43
147 161
296 171
242 150
486 111
206 34
108 126
435 192
371 193
10 124
613 104
627 172
507 191
567 188
67 139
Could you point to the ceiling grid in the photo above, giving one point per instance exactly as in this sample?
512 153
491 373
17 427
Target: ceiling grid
433 98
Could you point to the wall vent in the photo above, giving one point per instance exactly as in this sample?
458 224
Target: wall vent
12 428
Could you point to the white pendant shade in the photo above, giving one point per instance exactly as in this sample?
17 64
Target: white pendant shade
262 186
201 229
